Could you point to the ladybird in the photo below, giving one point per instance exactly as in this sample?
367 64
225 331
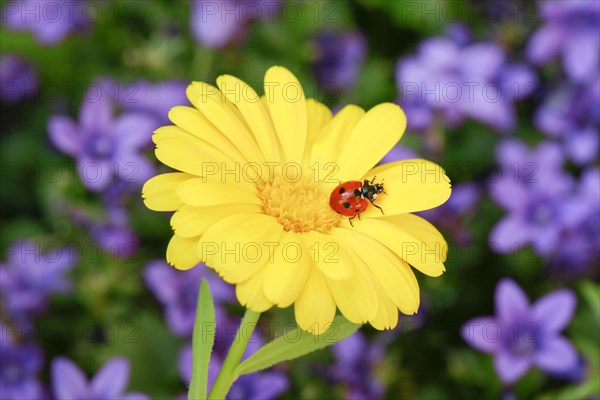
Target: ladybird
353 197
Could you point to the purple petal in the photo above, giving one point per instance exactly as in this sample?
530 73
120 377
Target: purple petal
212 26
511 302
95 175
95 115
482 333
134 130
544 44
111 380
582 147
554 310
64 135
481 60
509 234
134 169
160 279
68 381
580 57
556 355
511 367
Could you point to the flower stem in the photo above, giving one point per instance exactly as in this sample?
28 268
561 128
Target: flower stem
227 376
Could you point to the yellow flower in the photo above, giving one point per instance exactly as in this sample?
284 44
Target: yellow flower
252 201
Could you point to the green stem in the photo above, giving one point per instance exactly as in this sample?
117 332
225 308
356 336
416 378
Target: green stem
227 376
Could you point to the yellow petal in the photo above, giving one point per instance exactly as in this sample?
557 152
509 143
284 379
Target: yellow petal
201 192
250 293
190 155
191 221
225 117
318 116
328 255
236 260
286 274
422 229
326 145
404 244
392 274
411 186
371 139
315 309
159 192
355 296
196 124
256 115
287 107
387 313
181 252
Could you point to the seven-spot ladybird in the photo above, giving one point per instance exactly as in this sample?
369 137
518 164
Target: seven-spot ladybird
352 198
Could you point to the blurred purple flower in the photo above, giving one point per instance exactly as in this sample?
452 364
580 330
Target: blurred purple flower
532 187
571 30
104 145
523 335
18 79
29 277
114 234
450 216
355 360
339 58
218 23
265 385
457 82
19 367
177 291
156 99
69 381
572 114
50 22
580 241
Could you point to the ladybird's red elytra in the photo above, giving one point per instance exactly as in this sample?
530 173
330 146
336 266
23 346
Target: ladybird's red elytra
353 197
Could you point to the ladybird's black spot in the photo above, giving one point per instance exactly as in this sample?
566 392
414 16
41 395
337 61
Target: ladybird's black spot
346 205
342 190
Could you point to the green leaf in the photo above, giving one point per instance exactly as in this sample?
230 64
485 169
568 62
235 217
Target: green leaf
202 342
591 293
295 344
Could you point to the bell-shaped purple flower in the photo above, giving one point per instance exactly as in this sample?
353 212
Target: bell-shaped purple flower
177 291
523 335
31 274
105 147
571 31
18 80
70 383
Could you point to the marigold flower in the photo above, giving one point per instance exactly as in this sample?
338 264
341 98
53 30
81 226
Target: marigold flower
252 201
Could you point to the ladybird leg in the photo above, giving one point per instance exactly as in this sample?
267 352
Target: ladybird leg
358 215
350 220
380 209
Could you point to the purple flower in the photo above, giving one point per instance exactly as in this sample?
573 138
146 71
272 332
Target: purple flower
69 381
355 360
218 23
571 30
572 114
523 335
265 385
454 82
177 291
450 216
533 188
580 241
155 99
19 367
50 22
29 277
105 146
18 79
114 234
339 58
